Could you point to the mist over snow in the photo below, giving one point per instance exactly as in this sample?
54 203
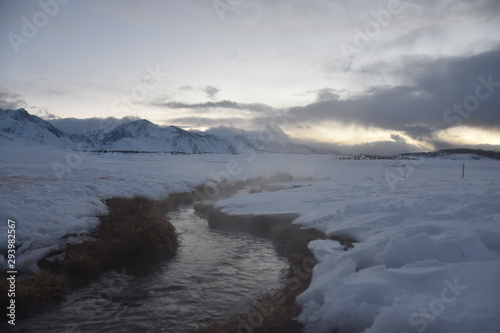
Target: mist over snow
82 126
270 139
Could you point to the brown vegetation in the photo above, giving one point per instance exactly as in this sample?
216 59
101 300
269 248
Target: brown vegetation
33 294
135 230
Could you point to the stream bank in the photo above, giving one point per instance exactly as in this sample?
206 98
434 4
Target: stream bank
136 230
255 305
201 275
274 311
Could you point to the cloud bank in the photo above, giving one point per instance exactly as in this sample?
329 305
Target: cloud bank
434 95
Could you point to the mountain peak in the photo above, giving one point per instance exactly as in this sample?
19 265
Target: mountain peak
18 113
140 123
16 124
135 127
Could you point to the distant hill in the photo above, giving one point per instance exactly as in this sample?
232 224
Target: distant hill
18 126
457 153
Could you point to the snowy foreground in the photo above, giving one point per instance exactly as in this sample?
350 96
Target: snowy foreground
428 257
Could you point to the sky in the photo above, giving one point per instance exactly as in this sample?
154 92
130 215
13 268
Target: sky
365 75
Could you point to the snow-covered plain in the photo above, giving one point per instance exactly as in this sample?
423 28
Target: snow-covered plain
428 257
51 192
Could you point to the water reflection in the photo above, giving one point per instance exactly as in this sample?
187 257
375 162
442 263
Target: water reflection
213 276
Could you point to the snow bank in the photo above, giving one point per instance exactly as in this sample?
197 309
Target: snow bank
428 259
51 192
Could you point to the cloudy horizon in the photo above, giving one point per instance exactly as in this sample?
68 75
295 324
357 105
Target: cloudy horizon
368 76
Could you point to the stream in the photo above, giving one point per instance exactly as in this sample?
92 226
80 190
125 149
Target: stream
213 276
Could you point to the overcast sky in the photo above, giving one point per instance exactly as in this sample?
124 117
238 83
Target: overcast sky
378 75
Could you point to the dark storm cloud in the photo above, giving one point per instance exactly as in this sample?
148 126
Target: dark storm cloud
418 132
397 138
440 94
211 91
11 101
225 104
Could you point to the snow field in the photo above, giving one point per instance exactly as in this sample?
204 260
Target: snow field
428 257
51 192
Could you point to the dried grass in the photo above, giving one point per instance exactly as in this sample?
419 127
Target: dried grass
136 229
33 294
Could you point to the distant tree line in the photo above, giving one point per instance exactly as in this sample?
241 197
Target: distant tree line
479 153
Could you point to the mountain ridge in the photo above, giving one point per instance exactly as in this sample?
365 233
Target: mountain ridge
137 135
141 135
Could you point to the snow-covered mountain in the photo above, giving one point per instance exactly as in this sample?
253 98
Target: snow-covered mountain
142 135
18 126
268 140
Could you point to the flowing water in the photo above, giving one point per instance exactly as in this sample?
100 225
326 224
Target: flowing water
213 276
